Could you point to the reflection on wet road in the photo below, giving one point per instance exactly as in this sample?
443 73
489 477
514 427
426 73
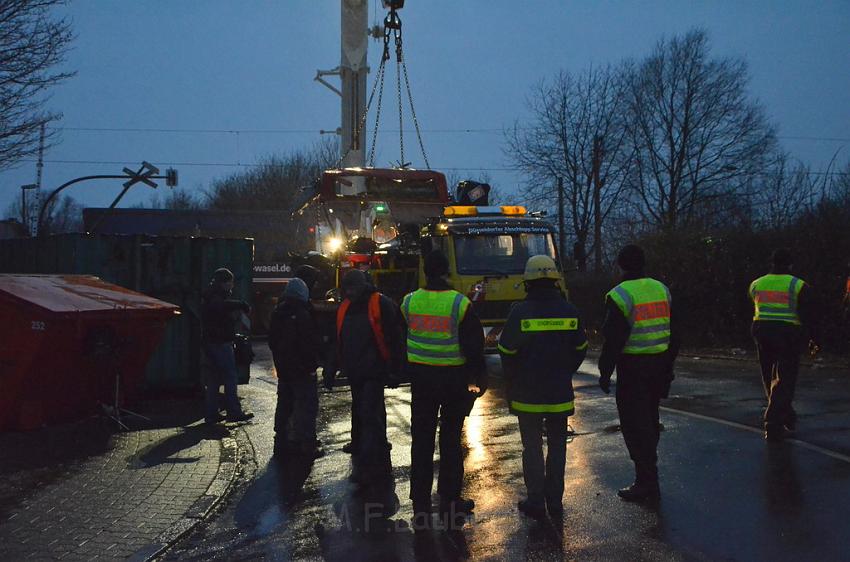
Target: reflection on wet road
726 494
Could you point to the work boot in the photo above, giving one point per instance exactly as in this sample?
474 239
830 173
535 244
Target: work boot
453 514
775 433
555 509
240 417
531 509
214 421
422 516
791 422
639 492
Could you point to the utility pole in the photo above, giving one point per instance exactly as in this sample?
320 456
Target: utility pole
32 210
597 204
561 233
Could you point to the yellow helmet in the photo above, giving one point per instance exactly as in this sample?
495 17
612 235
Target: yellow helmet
541 267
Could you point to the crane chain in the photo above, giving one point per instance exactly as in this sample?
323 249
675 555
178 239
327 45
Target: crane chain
413 113
380 78
398 59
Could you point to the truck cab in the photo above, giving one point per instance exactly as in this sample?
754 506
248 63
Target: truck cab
488 247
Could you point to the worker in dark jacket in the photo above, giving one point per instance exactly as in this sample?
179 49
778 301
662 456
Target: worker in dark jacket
445 352
219 314
370 351
296 348
641 344
784 311
542 345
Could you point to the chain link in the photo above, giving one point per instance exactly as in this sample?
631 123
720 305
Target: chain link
379 78
398 59
413 113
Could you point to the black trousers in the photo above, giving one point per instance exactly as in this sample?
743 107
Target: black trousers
641 382
544 482
369 427
779 350
427 408
297 409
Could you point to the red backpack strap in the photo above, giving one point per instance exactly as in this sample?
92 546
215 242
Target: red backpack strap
377 326
340 316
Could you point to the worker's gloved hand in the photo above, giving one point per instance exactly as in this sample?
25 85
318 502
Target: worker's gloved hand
605 384
328 378
393 380
814 348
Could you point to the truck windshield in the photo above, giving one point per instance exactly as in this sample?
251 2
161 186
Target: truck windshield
501 254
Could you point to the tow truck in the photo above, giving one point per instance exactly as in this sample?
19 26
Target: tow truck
397 216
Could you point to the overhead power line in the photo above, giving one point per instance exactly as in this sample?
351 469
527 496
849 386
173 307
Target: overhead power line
251 165
465 130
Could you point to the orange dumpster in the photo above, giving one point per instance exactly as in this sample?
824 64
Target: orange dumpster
68 343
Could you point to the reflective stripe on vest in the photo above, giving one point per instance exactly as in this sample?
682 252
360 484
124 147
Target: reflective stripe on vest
775 298
562 408
374 321
646 305
549 324
433 319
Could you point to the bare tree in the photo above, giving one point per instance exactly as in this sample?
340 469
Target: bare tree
783 192
577 134
276 183
176 200
696 135
840 185
32 44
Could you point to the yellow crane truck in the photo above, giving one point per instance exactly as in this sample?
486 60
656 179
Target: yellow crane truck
384 220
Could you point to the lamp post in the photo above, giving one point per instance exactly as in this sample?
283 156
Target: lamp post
25 211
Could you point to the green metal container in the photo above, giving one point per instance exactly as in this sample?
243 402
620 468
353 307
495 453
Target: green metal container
173 269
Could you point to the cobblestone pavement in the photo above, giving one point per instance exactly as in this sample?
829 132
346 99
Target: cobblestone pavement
82 492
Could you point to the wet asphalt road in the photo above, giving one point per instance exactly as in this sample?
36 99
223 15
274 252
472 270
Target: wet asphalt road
727 495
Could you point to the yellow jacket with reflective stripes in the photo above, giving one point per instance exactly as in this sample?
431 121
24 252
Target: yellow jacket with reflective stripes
776 298
645 303
542 345
433 320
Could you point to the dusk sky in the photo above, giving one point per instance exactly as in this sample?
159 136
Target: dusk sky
210 86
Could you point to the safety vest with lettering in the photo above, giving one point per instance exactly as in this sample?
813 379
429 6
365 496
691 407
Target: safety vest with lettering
433 321
374 321
775 298
646 305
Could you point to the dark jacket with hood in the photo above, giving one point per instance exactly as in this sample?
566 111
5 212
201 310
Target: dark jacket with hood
539 364
357 349
218 314
294 337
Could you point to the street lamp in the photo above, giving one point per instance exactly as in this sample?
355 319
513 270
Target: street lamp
25 211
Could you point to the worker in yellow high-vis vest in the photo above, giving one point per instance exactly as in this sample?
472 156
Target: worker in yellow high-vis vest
783 311
445 353
641 345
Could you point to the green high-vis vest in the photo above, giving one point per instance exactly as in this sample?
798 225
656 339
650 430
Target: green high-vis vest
433 320
775 298
646 305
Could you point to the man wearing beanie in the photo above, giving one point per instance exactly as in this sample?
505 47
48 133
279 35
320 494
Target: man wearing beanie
445 350
295 343
783 309
641 345
219 312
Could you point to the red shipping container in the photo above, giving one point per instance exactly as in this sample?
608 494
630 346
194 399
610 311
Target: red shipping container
64 339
